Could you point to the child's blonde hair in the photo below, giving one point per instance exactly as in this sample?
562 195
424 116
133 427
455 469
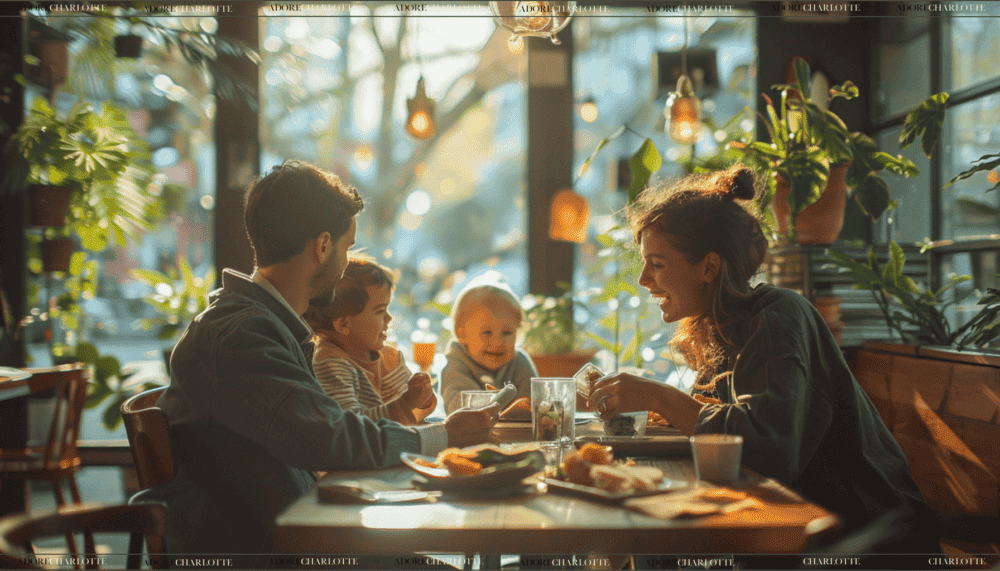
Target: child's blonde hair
481 290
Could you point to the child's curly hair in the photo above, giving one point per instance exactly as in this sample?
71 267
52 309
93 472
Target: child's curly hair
351 295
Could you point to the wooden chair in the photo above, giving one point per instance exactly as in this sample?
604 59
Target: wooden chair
149 438
140 521
58 459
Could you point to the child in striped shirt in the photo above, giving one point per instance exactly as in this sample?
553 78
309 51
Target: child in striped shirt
352 362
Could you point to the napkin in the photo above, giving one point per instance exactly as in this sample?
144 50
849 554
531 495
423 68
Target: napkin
693 502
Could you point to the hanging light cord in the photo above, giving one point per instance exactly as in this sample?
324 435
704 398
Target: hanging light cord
684 50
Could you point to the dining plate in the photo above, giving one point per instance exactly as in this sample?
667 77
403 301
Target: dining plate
650 446
592 493
509 472
12 374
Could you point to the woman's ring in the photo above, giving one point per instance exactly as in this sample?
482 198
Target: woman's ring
601 403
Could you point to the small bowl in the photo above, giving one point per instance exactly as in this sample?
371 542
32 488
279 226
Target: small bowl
626 424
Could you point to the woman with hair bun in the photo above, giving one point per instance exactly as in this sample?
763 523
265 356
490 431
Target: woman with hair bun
767 366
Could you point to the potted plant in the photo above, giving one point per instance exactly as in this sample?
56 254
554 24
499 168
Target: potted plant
102 160
937 390
916 313
551 338
813 159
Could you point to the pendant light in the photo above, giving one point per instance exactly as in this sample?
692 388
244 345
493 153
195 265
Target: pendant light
569 217
420 121
683 109
420 109
536 18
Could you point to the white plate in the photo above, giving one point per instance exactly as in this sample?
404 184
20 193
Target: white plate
510 472
592 493
12 374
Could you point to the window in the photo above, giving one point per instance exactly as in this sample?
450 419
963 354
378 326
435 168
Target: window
170 105
618 60
439 211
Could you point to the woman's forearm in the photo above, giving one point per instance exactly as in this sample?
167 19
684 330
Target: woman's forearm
678 408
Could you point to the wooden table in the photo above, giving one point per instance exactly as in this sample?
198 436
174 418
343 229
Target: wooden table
542 522
14 387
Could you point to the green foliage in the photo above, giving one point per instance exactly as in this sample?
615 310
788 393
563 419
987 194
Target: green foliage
984 163
549 322
178 296
101 156
915 312
642 165
807 140
621 264
109 381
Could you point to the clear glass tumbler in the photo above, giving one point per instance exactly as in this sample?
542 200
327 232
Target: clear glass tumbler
553 407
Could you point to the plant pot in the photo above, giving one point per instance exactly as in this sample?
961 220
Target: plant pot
562 364
128 46
49 204
821 221
56 254
53 62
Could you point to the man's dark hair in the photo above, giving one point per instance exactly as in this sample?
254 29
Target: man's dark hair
294 203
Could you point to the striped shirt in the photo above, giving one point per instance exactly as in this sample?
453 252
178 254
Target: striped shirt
372 388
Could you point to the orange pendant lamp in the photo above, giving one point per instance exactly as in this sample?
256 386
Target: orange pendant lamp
569 217
683 110
684 113
420 121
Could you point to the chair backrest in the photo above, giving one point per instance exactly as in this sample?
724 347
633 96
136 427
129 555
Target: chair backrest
149 438
141 520
69 383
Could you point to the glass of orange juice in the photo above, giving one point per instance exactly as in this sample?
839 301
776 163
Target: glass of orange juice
424 346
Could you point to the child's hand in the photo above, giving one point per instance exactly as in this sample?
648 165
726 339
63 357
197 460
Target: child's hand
419 392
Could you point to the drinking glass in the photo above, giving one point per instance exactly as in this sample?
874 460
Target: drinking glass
717 456
424 345
553 406
476 399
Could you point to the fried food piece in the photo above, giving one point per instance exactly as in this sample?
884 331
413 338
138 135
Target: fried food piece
425 463
596 454
459 463
577 469
655 418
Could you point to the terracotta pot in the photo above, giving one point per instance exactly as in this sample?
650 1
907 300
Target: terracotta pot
49 204
56 254
562 364
53 65
821 221
128 46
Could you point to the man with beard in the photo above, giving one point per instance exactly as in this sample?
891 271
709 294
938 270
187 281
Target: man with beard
249 423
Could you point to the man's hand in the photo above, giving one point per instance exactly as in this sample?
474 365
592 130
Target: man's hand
419 393
469 426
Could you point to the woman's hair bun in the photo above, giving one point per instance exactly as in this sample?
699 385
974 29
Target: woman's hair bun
735 182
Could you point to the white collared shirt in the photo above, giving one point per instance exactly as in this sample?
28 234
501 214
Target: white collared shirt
259 279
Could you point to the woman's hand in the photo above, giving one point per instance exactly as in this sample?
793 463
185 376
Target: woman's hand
624 392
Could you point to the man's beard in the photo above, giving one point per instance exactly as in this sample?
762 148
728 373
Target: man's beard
326 283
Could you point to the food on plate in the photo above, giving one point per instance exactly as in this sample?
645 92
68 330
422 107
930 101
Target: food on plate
655 419
468 462
592 465
595 453
620 425
425 463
